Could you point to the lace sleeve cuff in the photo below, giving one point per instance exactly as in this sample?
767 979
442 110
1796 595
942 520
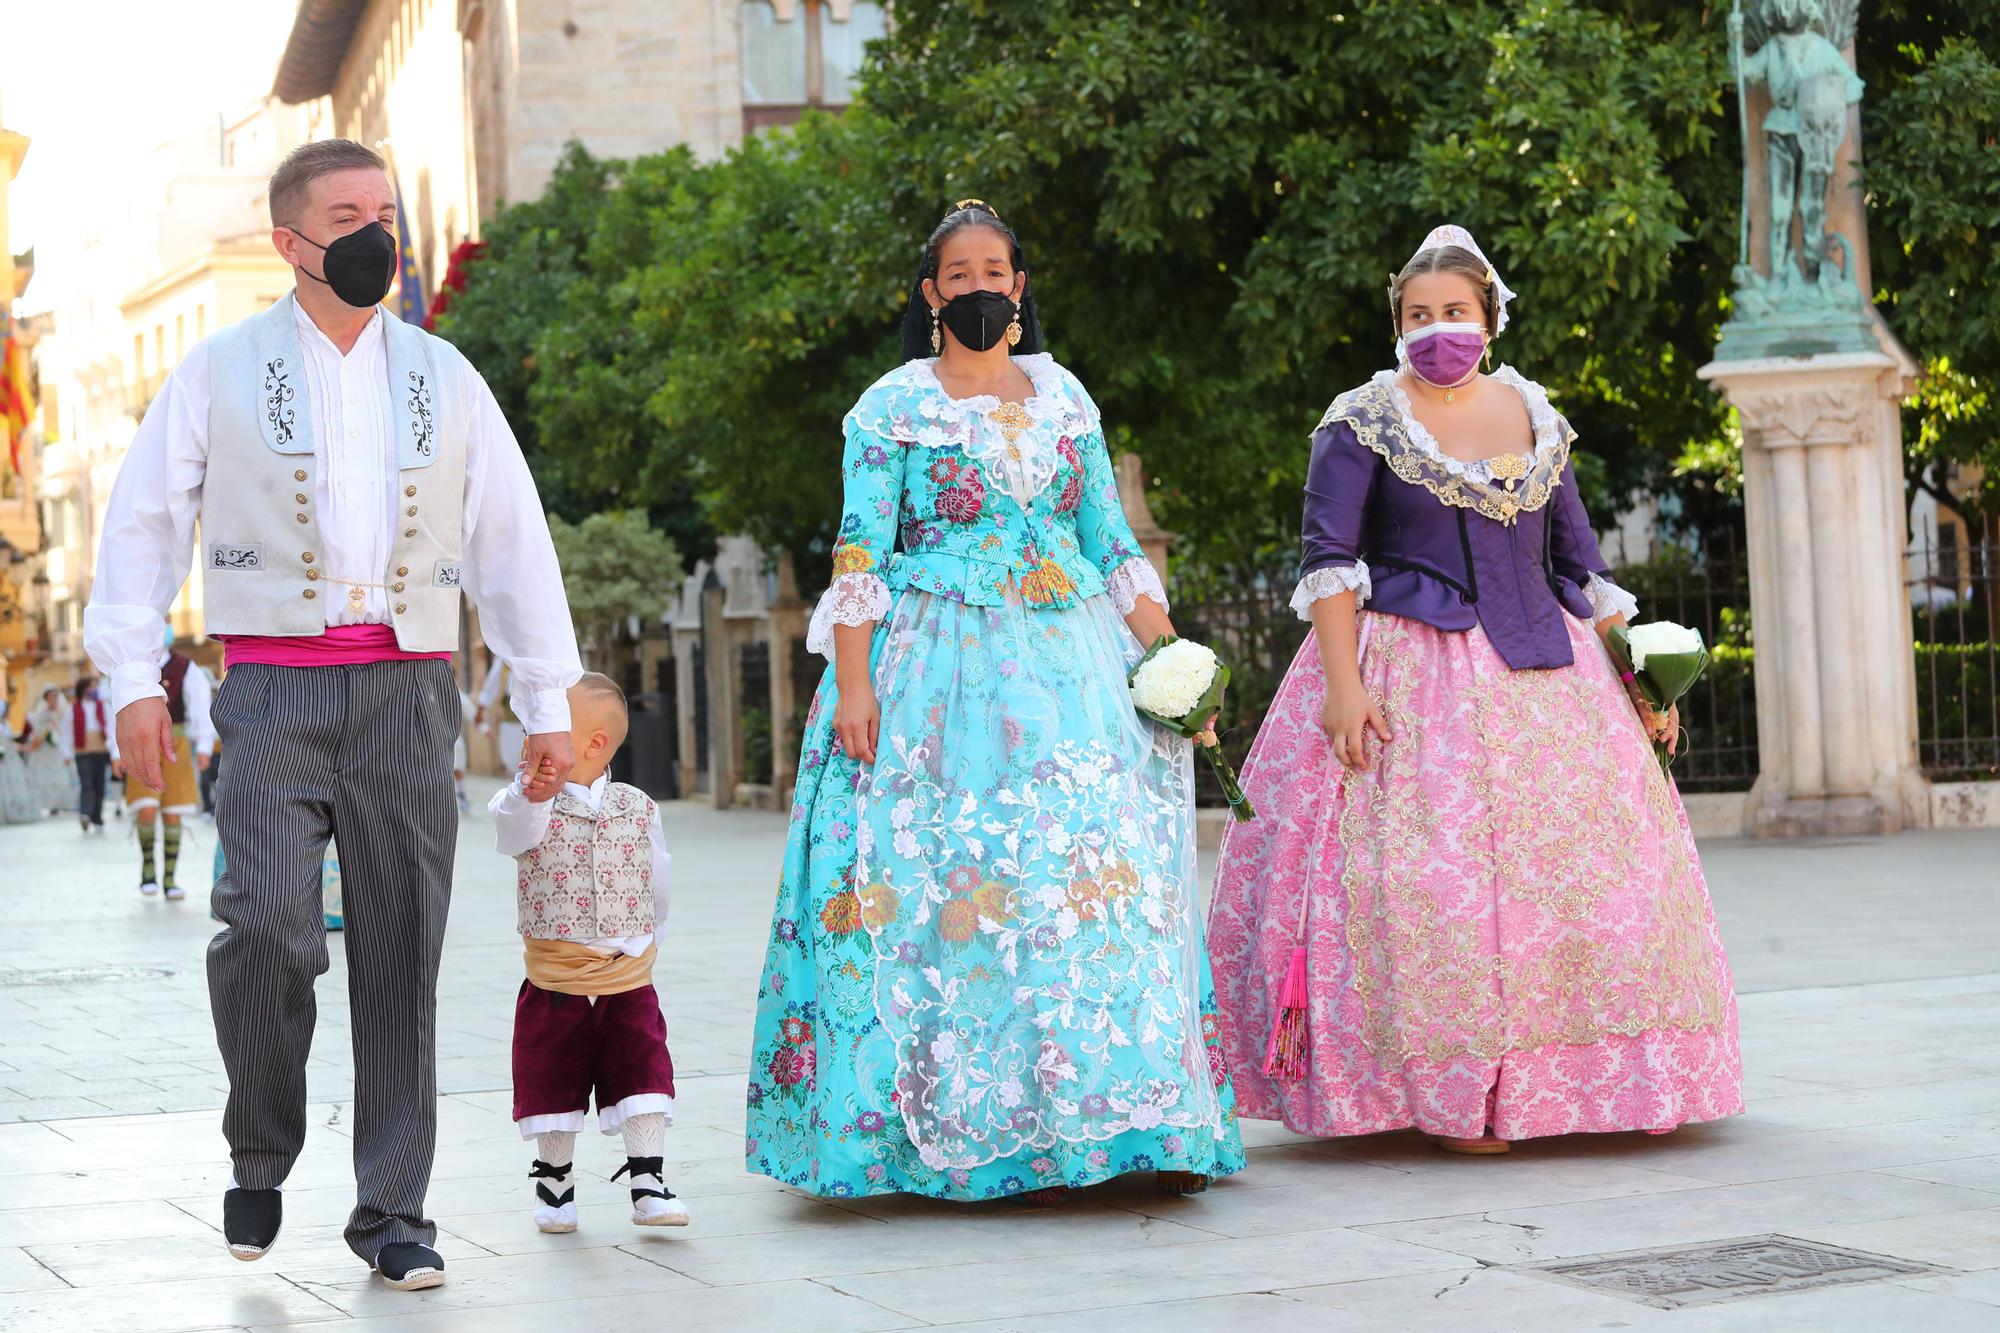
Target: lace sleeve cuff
1607 599
852 599
1331 582
1131 581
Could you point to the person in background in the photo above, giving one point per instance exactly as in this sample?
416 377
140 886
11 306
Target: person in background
91 735
51 760
17 794
163 807
495 714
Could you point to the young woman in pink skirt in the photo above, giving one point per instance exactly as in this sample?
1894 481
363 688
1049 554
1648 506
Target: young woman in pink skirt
1461 822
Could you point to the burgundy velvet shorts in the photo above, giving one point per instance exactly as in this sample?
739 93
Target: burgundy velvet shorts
567 1046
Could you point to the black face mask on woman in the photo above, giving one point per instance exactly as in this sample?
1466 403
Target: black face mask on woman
978 319
359 266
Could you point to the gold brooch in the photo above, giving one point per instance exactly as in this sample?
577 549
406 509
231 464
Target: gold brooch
1012 419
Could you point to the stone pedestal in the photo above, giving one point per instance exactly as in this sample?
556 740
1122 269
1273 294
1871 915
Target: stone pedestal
1835 674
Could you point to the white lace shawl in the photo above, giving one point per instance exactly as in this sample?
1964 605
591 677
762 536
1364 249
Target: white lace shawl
917 409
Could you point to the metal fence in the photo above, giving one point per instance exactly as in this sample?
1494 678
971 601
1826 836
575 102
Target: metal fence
1955 602
1708 588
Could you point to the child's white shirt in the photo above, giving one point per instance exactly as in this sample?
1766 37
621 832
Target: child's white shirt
519 825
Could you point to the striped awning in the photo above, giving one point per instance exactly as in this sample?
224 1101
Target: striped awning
321 34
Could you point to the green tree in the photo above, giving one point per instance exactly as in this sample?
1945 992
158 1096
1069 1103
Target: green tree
616 566
1212 194
548 317
1932 149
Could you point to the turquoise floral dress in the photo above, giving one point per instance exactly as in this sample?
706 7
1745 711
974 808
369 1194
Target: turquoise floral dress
986 971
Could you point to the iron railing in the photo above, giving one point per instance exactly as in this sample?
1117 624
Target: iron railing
1955 607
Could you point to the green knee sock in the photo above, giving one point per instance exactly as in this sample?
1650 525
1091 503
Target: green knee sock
170 853
146 852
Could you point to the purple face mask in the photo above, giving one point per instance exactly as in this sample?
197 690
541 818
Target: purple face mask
1445 354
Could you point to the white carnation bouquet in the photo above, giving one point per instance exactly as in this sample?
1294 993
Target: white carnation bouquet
1664 660
1179 684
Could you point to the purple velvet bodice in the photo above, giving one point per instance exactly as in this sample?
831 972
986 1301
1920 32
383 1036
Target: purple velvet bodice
1510 554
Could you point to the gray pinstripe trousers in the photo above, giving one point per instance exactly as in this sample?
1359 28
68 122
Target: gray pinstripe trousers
363 752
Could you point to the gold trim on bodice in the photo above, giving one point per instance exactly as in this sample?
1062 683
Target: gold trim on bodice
1526 481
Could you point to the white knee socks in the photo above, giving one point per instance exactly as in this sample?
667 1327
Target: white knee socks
555 1195
653 1204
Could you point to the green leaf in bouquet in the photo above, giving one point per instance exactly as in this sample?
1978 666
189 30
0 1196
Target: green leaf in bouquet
1211 698
1674 674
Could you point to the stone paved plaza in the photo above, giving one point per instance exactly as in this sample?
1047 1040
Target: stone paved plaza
1870 981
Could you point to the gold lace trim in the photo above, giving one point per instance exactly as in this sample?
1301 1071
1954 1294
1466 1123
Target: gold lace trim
1527 484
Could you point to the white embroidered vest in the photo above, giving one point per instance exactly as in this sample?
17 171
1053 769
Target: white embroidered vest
592 876
262 572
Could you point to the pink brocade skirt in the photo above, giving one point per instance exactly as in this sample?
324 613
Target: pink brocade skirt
1504 915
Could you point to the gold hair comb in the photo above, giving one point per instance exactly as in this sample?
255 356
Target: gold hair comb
964 204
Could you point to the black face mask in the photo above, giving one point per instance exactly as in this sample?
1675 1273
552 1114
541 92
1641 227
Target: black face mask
359 266
978 319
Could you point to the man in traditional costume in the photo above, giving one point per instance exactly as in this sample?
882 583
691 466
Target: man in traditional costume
352 476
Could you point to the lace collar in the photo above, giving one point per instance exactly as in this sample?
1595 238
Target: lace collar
1551 432
1017 445
1501 487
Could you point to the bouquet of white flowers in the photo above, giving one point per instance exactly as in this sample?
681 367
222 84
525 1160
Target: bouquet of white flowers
1179 684
1664 660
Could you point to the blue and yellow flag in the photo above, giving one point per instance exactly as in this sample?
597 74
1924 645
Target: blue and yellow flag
409 298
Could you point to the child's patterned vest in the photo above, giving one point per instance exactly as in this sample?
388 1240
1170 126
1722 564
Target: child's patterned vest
592 876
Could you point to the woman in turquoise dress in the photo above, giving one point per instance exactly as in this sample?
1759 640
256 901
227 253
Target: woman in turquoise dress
986 975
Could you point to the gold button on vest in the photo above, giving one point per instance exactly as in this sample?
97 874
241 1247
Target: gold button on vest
307 557
401 607
402 571
310 593
300 475
303 519
409 490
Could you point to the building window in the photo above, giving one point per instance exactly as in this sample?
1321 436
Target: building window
802 53
842 46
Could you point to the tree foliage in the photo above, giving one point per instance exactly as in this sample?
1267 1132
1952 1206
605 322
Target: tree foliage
616 566
1932 144
1212 194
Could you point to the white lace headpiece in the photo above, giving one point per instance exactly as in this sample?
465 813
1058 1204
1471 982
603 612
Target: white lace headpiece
1453 234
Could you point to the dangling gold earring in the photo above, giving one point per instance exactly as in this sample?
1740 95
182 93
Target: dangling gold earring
1488 354
1014 329
937 340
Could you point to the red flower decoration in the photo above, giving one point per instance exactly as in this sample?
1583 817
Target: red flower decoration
964 502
